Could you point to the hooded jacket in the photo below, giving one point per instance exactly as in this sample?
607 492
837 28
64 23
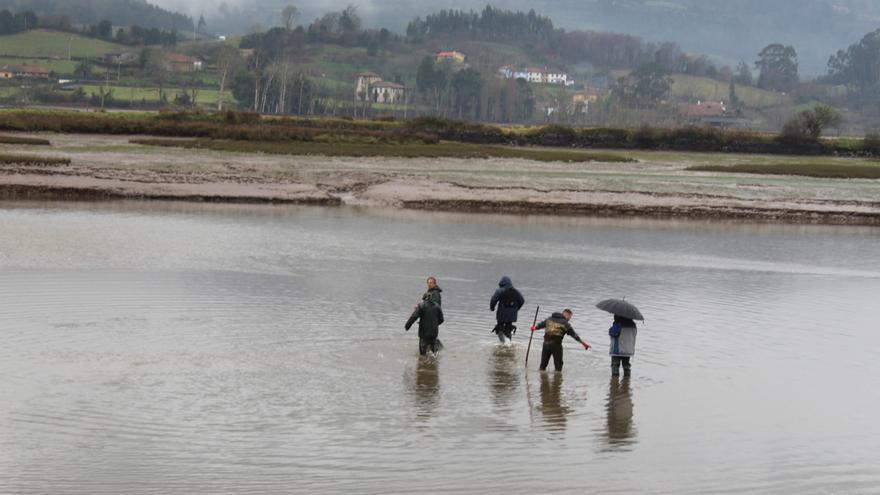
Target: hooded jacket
508 300
430 318
556 327
433 295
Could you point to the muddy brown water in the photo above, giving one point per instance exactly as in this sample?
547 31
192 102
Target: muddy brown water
178 348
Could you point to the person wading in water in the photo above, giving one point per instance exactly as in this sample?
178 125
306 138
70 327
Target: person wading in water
623 344
430 316
433 291
509 301
555 328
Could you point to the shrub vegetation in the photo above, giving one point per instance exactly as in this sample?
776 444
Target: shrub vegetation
23 140
32 160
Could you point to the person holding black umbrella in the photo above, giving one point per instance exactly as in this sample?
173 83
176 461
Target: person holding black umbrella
622 333
623 344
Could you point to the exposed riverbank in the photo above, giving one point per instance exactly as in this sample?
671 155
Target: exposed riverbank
651 184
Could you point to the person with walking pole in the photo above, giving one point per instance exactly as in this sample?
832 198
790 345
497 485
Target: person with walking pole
555 329
529 348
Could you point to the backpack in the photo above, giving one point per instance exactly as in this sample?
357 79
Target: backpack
614 331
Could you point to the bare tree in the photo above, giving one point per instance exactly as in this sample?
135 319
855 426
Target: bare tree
228 59
289 15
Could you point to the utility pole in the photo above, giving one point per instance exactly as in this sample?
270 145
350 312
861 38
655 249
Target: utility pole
301 82
107 83
405 102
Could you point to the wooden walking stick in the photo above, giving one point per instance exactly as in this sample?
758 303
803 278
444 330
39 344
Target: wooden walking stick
532 334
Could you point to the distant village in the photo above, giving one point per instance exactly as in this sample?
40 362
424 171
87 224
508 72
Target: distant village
371 87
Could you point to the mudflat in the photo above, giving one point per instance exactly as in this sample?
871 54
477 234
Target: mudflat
656 184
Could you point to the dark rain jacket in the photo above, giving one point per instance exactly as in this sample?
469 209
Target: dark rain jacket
433 295
430 318
508 300
556 327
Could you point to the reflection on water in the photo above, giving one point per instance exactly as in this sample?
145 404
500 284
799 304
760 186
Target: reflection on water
553 407
619 407
504 376
426 388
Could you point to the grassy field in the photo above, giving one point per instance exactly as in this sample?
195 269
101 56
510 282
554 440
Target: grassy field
336 65
58 66
827 170
685 87
408 150
702 88
41 43
137 94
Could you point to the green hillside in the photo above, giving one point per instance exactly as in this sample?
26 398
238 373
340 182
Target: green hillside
701 88
206 97
58 66
41 43
90 12
334 65
693 88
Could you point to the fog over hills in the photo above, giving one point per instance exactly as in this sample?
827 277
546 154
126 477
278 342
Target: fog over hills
731 30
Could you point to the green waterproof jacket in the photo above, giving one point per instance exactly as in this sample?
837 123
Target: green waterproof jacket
430 318
556 327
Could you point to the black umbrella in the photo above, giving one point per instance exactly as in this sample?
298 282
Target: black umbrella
622 308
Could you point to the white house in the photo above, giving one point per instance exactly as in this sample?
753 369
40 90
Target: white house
362 86
387 92
557 78
535 75
509 72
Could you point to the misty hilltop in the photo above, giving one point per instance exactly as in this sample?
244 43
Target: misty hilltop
731 30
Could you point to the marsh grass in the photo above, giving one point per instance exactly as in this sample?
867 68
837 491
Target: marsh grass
32 160
245 126
819 170
237 126
406 150
23 140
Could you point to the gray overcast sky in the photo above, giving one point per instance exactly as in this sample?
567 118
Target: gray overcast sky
196 7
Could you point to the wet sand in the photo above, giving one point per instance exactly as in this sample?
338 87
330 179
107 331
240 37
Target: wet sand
657 185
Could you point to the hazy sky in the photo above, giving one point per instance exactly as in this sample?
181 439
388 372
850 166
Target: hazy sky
197 7
812 26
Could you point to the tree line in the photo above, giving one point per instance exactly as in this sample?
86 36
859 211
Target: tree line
134 35
271 80
91 12
537 34
858 67
465 93
15 23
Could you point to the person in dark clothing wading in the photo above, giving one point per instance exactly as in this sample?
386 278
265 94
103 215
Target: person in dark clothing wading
430 317
509 301
555 329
